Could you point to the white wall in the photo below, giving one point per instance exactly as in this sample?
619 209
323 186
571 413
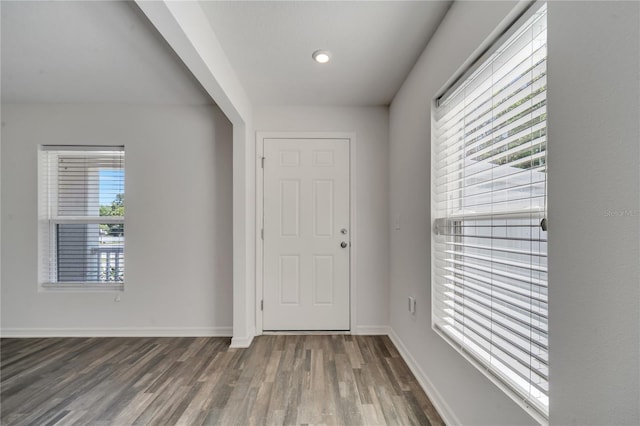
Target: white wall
178 220
187 30
594 212
370 124
594 164
463 395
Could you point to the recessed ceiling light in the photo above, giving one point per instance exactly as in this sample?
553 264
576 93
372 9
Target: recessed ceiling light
321 56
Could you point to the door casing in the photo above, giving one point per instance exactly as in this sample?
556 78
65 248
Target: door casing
260 138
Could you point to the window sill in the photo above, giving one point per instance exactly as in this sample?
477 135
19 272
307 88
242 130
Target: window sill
81 287
529 408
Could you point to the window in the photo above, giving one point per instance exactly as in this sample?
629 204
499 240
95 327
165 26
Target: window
81 217
489 260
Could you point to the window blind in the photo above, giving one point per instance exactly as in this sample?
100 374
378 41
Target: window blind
82 216
489 288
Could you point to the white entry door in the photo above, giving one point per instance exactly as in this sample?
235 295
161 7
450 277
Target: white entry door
306 234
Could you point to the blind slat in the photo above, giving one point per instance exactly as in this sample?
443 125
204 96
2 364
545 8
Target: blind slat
494 259
499 249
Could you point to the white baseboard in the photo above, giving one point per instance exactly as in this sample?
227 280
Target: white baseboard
371 330
240 342
434 396
119 332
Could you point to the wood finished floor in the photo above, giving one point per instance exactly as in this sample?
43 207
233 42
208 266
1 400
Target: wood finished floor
313 379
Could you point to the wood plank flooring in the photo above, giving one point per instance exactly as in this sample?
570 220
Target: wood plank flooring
279 380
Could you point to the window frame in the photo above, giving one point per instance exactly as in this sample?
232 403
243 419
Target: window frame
49 219
505 30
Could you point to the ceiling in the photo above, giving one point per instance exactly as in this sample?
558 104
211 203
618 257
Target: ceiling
89 52
374 45
108 51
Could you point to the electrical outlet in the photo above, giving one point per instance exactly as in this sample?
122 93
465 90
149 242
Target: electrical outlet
412 305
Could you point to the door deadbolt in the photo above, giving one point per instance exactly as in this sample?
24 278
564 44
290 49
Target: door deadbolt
343 231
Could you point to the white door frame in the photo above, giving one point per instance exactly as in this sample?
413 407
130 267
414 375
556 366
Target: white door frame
260 137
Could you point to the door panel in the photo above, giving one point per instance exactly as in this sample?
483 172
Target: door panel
289 208
306 205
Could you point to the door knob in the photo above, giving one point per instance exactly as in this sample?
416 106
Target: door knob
343 244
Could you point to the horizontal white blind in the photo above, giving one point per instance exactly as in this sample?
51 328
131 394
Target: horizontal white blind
83 196
490 251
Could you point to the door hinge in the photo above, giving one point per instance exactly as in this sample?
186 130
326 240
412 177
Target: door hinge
262 233
262 305
262 160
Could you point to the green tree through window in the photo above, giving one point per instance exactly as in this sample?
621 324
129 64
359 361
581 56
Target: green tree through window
115 209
